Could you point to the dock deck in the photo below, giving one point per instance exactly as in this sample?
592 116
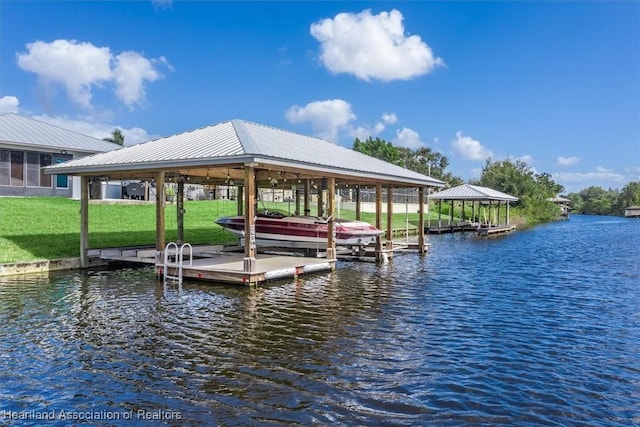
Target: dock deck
481 229
229 268
213 263
218 263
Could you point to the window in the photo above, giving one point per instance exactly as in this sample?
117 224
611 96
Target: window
62 181
5 167
45 160
17 168
33 169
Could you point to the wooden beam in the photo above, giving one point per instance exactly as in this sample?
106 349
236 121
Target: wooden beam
180 211
307 197
320 201
331 201
240 201
358 204
249 219
160 242
84 221
378 244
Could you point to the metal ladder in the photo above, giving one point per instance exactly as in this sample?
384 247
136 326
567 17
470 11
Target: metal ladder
174 258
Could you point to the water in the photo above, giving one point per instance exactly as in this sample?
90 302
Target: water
540 327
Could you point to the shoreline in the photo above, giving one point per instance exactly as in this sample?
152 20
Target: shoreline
44 266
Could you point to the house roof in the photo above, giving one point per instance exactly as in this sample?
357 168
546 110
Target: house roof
471 192
19 130
559 199
239 142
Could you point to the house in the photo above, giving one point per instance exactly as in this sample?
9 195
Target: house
632 212
563 203
26 145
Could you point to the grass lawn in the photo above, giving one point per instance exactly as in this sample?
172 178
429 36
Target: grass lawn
49 227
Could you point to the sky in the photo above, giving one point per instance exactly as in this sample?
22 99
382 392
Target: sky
555 84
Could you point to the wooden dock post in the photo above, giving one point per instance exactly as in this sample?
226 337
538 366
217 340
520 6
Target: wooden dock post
358 204
249 261
307 197
331 201
421 245
180 211
84 221
389 243
240 201
160 243
378 244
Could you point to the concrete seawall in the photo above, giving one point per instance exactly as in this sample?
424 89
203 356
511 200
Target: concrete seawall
44 266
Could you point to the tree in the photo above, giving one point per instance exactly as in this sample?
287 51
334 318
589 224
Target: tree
598 201
518 179
378 148
629 196
514 178
117 137
422 160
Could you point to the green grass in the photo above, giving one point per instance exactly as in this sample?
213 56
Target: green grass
49 227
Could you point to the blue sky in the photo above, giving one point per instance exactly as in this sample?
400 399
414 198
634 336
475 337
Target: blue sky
555 84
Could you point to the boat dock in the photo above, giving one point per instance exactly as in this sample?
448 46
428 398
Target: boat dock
225 264
220 264
481 229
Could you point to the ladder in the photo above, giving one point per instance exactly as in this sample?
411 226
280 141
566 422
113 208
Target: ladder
174 258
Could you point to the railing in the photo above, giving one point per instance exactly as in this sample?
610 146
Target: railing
174 258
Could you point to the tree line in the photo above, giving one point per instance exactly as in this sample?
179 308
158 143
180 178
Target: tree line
514 177
598 201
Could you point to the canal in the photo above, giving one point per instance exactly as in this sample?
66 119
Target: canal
538 327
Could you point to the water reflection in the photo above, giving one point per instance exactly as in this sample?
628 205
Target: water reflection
512 331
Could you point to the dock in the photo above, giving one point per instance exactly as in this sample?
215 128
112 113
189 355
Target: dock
218 263
452 227
225 264
496 230
466 226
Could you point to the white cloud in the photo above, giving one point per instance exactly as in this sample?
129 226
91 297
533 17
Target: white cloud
97 129
600 177
364 132
326 117
470 149
409 138
526 158
568 161
9 104
372 47
80 67
389 118
130 73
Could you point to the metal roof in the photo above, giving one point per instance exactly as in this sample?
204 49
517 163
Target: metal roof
24 131
471 192
240 141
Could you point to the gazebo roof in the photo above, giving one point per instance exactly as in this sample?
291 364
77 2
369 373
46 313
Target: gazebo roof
235 143
472 192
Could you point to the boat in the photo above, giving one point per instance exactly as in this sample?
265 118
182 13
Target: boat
300 231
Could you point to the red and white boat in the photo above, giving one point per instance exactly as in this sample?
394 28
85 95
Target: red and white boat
276 229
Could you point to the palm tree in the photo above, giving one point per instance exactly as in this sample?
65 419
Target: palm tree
116 137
